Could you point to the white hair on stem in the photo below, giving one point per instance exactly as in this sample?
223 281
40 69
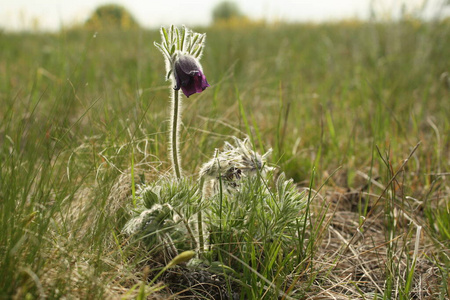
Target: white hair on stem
175 116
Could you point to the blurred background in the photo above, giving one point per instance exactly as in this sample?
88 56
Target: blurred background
53 15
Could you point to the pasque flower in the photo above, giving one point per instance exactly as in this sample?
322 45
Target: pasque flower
182 50
188 75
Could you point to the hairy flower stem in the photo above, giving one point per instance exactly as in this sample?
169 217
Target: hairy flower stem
201 241
176 105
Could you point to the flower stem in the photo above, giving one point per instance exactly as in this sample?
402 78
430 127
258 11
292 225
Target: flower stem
175 130
201 240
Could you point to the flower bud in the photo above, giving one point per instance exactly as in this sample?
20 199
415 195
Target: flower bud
188 75
181 258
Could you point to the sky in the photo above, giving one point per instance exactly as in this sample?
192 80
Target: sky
52 14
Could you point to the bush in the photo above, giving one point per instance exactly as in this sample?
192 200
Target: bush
111 16
225 11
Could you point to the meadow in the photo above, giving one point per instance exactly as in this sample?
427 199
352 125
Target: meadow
357 114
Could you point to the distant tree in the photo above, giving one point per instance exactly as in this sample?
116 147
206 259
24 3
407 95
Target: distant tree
111 16
225 11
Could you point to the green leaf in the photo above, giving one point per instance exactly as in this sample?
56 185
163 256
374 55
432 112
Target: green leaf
183 37
168 74
198 51
165 35
162 49
178 38
202 38
150 198
281 186
193 41
172 31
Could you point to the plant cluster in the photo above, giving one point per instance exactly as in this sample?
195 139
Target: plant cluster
237 213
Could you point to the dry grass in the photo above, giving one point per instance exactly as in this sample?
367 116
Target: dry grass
348 264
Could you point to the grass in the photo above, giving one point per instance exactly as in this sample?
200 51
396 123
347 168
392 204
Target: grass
343 106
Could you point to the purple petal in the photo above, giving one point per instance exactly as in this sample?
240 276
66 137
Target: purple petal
205 83
187 64
188 90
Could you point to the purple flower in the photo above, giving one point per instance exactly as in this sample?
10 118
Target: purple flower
189 76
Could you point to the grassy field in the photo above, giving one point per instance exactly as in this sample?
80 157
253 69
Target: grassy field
357 114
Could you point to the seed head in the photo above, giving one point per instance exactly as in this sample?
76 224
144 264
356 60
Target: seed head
233 163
